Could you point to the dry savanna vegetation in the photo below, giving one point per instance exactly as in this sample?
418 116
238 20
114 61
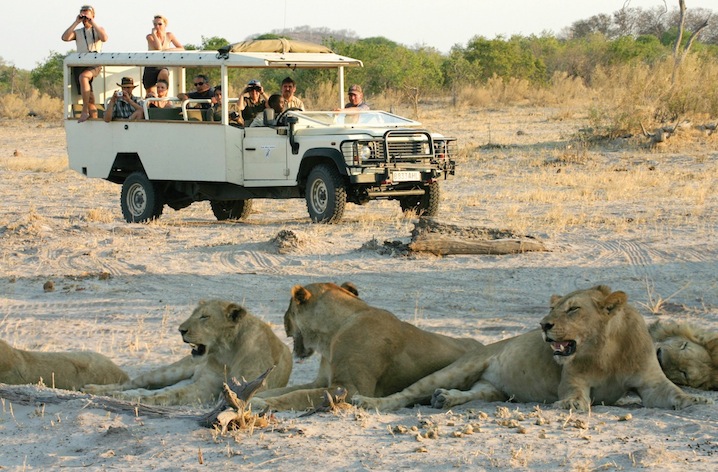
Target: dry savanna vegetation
567 163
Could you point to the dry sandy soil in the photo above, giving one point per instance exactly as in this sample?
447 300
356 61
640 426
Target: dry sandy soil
618 213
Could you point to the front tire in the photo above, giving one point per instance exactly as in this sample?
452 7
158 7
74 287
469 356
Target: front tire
425 205
231 209
140 199
326 194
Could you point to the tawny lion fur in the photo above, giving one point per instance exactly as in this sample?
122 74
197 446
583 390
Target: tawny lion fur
593 348
687 354
68 370
363 349
227 342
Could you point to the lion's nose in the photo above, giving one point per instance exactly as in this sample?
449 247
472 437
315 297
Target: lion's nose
183 331
546 326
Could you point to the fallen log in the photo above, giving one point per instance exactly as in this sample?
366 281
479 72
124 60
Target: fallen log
443 239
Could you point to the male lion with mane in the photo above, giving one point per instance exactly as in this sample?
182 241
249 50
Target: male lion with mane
227 342
688 355
67 370
363 349
593 347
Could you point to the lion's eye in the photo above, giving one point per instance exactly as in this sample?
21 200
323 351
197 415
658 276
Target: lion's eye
572 310
684 345
204 317
685 376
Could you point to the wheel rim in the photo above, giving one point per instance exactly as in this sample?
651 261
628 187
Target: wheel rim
319 196
136 199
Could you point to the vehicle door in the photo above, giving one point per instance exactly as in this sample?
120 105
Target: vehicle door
265 153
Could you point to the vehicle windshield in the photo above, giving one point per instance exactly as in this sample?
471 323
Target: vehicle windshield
368 118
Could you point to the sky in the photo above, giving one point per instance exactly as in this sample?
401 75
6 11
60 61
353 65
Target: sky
30 29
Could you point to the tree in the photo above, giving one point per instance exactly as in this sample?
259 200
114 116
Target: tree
47 76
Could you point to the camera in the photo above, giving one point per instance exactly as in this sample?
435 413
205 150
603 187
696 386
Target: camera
119 94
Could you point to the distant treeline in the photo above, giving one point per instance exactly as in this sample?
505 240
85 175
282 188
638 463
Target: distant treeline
630 35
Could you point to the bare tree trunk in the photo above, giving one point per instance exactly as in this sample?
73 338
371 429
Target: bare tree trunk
678 55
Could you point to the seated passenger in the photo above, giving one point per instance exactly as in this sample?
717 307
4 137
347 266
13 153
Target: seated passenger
276 103
356 99
215 113
202 90
163 88
122 107
290 100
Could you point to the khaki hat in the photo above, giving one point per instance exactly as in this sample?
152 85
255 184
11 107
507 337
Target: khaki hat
127 82
355 89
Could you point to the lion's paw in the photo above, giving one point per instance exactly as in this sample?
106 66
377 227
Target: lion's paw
687 400
258 404
576 404
368 403
443 398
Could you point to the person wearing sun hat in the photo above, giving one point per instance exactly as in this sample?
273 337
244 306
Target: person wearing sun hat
356 98
124 105
89 38
254 101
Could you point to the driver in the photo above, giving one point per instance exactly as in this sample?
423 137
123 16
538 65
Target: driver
290 100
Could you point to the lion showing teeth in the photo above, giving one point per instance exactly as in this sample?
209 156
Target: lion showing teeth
67 370
226 342
363 349
592 347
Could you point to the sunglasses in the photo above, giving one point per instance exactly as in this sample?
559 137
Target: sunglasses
197 84
158 24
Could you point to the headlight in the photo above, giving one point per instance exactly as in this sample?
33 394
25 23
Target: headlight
364 152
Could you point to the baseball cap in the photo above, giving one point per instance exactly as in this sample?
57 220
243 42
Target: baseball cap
355 89
254 83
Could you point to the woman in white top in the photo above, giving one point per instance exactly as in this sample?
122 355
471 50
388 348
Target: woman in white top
159 40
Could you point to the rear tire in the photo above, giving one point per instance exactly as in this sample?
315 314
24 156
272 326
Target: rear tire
231 209
425 205
326 194
141 200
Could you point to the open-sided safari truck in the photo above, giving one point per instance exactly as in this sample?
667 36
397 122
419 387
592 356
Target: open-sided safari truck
327 157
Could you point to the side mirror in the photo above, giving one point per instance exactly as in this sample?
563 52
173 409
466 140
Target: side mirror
268 116
291 121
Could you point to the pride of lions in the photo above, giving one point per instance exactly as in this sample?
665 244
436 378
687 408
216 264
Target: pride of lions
592 347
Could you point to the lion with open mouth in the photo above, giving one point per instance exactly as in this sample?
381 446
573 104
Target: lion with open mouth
593 347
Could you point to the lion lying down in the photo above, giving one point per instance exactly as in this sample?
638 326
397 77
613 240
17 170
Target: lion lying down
68 370
688 355
364 349
226 342
593 348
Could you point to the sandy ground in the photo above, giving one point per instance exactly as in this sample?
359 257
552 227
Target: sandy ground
661 249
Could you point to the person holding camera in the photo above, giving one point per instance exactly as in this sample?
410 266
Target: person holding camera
254 101
88 38
159 39
123 104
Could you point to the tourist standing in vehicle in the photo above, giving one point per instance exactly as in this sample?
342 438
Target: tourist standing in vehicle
89 38
123 104
356 98
289 87
159 39
254 101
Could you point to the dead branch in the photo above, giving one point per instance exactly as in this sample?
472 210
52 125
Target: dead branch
232 409
334 401
34 395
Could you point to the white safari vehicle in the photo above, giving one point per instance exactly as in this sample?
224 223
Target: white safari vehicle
174 157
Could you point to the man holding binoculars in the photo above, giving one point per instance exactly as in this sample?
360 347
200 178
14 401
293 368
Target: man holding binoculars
89 38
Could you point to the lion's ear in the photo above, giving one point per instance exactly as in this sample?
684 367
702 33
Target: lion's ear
300 294
615 300
554 300
235 312
350 287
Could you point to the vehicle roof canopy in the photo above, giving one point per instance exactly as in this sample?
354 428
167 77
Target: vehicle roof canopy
259 53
